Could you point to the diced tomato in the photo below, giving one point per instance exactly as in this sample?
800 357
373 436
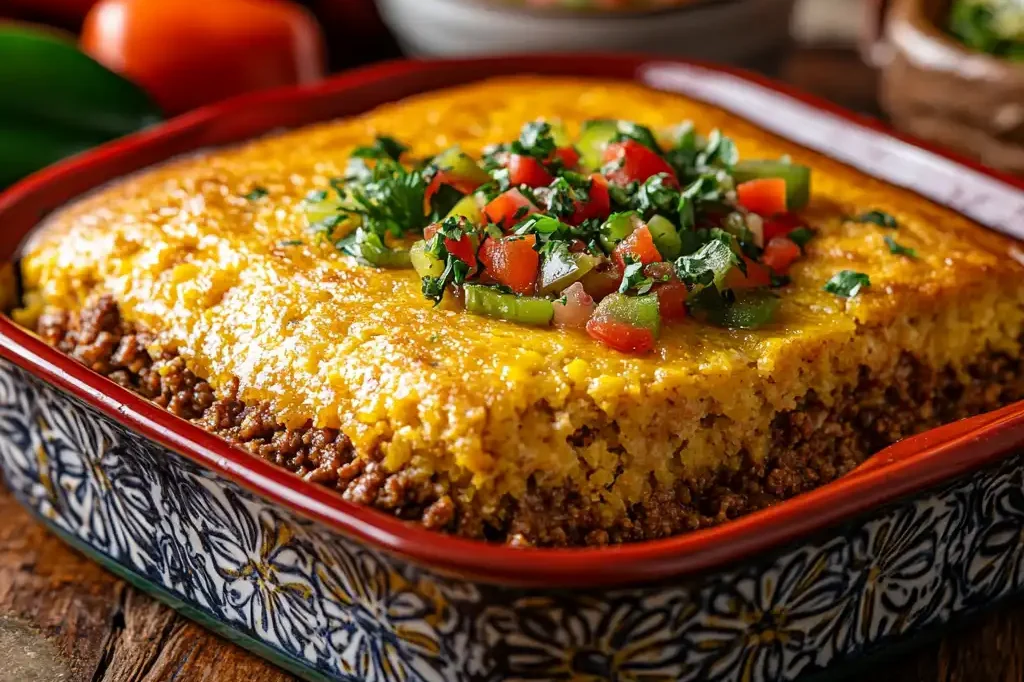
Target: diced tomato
569 157
764 196
672 300
757 276
504 209
781 225
526 170
780 254
600 204
636 163
640 245
464 185
512 261
463 248
621 336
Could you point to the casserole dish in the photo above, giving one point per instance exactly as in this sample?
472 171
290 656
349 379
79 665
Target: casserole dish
329 589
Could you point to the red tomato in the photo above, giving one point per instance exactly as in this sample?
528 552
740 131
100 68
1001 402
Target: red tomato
569 157
781 225
464 185
463 249
600 204
512 261
672 300
757 276
504 209
187 53
636 163
640 245
780 254
765 196
621 336
526 170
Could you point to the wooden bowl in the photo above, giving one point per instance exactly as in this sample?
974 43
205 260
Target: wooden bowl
935 88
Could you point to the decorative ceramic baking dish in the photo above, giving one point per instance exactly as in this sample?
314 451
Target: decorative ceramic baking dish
923 531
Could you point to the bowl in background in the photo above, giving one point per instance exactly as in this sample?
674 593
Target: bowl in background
737 31
936 88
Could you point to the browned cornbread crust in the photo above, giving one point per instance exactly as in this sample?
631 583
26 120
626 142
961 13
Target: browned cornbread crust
811 445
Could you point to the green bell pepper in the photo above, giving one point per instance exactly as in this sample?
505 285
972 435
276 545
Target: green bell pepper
489 302
57 101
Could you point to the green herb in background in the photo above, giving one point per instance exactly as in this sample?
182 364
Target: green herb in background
56 101
992 26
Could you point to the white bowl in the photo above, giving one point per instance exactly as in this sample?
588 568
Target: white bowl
729 30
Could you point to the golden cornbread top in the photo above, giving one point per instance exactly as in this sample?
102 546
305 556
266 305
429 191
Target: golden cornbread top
188 256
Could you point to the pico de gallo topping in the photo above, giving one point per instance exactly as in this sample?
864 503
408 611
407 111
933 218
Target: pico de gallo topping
617 233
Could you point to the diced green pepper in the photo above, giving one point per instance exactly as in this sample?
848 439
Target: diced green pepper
797 177
489 302
559 269
666 237
460 164
322 209
594 137
637 311
751 309
618 227
469 208
369 248
559 134
425 263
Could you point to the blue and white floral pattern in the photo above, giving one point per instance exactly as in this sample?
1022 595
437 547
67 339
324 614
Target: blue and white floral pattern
337 609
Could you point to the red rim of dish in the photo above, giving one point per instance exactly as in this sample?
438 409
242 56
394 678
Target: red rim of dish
908 467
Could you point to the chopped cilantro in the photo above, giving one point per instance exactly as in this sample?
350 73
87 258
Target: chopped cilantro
847 283
880 218
718 152
257 193
391 202
899 249
536 140
710 263
290 242
633 277
683 155
657 195
627 130
382 148
566 192
442 201
800 236
316 196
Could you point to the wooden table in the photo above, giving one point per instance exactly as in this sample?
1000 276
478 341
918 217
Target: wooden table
64 619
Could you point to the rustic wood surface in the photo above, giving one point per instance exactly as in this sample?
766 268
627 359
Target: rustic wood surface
65 619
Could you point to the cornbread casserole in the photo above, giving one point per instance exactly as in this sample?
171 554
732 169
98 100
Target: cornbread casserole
201 285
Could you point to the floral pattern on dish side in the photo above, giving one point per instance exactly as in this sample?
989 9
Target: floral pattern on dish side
334 608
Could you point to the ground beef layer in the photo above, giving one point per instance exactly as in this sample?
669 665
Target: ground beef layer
811 445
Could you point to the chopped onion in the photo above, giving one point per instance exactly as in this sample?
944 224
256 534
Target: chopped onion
576 309
755 224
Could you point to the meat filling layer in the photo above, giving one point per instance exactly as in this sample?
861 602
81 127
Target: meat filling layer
816 443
